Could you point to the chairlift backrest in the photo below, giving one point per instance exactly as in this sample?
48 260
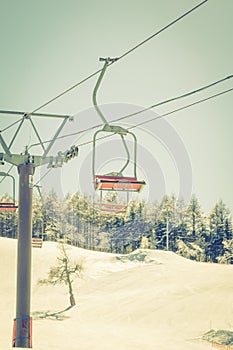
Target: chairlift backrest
117 183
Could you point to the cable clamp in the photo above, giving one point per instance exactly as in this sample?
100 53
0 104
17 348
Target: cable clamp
108 59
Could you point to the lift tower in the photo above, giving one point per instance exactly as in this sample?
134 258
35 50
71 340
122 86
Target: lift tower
26 164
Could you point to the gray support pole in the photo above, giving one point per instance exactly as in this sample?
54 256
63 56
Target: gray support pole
167 234
23 332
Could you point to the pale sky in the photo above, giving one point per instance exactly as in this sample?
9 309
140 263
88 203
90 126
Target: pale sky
47 46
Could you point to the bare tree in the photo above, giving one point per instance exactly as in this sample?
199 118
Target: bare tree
62 273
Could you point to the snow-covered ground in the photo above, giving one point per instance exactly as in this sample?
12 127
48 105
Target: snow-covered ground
145 300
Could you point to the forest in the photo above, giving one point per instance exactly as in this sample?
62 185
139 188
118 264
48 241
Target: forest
169 224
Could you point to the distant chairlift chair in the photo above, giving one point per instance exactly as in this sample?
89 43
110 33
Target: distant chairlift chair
9 206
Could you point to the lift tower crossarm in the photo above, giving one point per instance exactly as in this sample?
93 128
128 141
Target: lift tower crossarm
34 114
28 116
52 161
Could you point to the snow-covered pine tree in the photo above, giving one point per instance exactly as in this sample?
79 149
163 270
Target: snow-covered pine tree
220 230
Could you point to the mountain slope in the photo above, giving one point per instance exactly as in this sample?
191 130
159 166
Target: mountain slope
144 300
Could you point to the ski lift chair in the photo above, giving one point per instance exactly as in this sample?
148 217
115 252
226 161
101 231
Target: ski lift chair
114 181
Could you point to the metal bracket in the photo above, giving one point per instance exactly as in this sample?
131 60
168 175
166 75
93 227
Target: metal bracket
115 129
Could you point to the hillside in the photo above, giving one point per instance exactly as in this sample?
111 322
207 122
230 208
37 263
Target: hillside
144 300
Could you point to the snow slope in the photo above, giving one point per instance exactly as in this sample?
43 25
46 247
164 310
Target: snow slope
145 300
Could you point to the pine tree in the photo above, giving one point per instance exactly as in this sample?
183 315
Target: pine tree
227 257
166 221
8 220
194 228
217 225
220 230
54 218
38 217
194 220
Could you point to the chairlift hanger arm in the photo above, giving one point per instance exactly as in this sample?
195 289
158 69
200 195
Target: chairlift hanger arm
119 173
114 181
127 152
135 152
94 99
109 128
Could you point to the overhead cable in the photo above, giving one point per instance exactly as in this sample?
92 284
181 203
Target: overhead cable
192 92
47 172
166 114
120 57
175 98
182 108
155 118
162 29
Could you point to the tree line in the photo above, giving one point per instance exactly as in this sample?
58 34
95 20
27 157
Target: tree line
169 224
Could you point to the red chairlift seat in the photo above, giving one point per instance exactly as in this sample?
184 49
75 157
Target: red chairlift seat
117 183
8 206
113 208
